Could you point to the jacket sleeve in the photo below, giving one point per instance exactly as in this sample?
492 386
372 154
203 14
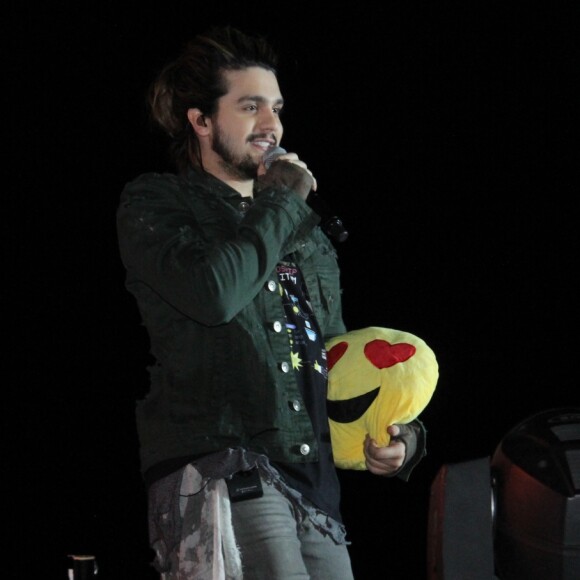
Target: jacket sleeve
335 324
163 246
414 435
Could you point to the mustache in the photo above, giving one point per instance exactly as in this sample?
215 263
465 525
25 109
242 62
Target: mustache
257 136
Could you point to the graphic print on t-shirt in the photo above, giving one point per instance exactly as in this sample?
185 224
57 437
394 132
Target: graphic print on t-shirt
316 480
307 348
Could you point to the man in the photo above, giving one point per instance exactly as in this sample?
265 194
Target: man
238 288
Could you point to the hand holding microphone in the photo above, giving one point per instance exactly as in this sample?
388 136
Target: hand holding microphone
330 223
293 173
272 154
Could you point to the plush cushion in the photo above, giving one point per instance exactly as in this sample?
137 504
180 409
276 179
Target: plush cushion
376 377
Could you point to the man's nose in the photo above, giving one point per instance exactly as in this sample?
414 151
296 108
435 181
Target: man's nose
269 120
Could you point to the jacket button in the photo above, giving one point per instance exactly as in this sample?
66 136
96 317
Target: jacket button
277 326
304 449
244 206
296 405
284 367
271 285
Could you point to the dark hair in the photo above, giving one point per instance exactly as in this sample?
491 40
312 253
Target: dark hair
195 80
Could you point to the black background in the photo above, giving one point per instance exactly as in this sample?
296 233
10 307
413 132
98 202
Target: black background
442 133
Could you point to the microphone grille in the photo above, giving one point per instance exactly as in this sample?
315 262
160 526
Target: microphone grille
271 155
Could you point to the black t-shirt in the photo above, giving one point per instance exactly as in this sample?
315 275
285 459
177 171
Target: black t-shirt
317 481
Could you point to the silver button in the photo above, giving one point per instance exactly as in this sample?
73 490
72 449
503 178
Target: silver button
284 367
277 326
271 285
244 206
304 449
296 405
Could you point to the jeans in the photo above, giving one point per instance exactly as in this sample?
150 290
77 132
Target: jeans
197 533
278 542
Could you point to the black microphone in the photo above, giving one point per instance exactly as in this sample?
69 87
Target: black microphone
330 223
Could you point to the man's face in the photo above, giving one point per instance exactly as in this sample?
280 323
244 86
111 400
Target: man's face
247 122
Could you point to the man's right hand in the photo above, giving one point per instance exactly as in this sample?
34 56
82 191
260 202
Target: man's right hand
289 171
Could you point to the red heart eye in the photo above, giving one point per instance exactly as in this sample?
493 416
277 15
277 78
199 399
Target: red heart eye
336 353
382 354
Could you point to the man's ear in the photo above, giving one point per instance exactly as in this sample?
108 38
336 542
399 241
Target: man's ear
198 121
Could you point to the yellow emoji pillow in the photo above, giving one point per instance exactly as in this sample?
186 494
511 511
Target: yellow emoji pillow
376 377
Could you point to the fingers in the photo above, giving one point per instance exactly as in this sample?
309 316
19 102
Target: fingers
315 184
394 451
383 460
295 160
386 460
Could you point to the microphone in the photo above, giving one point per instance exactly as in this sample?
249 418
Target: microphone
271 155
330 223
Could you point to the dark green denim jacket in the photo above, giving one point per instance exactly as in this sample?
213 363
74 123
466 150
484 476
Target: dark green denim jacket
201 263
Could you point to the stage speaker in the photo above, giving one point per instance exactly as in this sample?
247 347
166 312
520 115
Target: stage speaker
536 478
460 534
515 516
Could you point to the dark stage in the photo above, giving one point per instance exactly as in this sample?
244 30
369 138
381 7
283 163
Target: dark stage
441 134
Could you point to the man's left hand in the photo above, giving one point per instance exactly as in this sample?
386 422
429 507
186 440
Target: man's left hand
385 460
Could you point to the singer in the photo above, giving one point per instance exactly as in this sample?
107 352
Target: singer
238 289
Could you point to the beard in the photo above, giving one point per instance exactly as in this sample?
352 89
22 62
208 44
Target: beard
238 167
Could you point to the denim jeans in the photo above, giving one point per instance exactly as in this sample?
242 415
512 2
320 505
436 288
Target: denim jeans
197 533
279 542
